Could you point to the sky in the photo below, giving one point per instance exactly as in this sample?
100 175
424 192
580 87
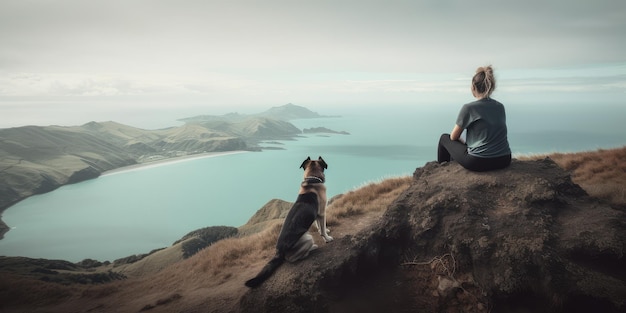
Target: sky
148 62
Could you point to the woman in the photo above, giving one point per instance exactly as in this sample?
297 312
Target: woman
486 146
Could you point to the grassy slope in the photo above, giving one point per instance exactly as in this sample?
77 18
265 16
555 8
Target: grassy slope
37 159
601 173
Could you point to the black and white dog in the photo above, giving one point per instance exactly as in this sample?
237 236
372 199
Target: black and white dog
294 242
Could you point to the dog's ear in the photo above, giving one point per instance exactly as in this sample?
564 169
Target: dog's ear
303 165
324 165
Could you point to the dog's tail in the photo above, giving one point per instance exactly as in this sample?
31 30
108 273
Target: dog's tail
266 272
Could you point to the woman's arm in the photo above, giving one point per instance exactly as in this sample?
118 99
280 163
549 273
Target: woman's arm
456 132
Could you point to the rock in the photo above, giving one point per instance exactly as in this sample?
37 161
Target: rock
523 239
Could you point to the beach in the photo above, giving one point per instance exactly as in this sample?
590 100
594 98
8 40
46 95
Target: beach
168 161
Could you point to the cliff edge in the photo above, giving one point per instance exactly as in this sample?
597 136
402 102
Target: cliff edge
523 239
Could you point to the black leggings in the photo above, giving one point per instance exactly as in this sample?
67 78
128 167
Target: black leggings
452 150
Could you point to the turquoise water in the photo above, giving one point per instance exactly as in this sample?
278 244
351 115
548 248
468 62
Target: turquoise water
135 211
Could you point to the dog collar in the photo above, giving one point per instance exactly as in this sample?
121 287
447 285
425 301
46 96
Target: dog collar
313 180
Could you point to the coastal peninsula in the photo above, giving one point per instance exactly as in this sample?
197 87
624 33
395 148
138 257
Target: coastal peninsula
39 159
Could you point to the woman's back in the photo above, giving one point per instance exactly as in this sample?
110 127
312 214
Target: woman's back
485 121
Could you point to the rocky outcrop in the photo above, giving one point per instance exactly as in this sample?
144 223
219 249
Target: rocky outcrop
523 239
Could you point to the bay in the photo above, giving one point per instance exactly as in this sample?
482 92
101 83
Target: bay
135 211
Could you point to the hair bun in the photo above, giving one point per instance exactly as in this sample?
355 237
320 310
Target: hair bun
483 82
485 69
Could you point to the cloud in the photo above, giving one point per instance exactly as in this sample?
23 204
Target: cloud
394 36
247 88
36 84
160 52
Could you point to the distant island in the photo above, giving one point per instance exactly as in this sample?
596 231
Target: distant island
316 130
39 159
285 112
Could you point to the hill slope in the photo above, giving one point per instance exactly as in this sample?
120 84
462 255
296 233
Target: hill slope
524 239
39 159
36 160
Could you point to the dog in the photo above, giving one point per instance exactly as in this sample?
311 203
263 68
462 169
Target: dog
294 242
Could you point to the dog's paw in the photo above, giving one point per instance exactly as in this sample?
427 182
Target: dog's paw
327 231
328 238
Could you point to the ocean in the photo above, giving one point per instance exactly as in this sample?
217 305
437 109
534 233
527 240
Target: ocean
138 210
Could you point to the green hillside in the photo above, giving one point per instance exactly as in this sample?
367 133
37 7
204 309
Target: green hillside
35 159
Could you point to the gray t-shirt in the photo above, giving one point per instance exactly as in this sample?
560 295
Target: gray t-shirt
485 122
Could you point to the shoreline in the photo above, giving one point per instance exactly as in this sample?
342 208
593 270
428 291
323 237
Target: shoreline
167 161
4 228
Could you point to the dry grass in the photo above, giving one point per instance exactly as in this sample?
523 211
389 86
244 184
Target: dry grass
369 198
237 251
215 264
17 289
240 251
601 173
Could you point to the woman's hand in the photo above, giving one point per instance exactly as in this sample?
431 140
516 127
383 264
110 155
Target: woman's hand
456 133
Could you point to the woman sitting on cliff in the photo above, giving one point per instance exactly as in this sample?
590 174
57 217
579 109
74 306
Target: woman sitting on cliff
486 146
